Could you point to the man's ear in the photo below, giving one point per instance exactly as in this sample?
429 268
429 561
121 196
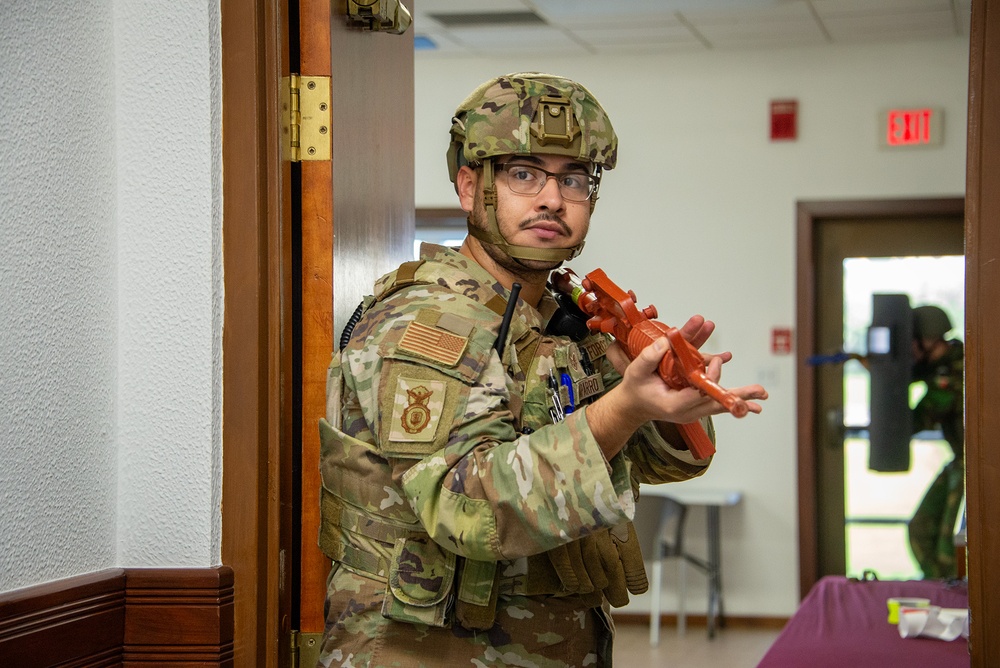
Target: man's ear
467 185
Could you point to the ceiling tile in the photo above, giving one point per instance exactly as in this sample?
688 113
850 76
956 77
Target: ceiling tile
535 38
663 34
911 25
772 13
567 10
761 33
574 12
620 20
602 26
443 43
827 8
424 8
462 6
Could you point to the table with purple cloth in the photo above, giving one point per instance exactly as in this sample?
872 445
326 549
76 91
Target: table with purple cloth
843 622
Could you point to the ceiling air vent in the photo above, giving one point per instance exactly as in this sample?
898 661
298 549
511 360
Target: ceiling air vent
476 19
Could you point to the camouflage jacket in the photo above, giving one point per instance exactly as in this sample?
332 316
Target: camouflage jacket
943 403
439 458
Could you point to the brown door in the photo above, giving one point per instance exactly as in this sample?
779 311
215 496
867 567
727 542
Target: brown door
837 240
357 216
982 383
827 233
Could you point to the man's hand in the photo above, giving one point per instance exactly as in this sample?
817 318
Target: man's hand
696 331
643 396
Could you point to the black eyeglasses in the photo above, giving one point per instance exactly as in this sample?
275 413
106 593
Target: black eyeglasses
529 180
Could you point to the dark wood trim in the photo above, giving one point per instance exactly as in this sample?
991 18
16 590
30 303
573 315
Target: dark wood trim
78 621
178 617
256 343
122 617
805 318
982 322
668 620
441 217
809 214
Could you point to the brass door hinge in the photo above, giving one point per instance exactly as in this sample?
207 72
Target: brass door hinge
305 649
305 118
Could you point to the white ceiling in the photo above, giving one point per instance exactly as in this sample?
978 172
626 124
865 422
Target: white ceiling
589 27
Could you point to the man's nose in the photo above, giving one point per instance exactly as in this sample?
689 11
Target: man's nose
550 196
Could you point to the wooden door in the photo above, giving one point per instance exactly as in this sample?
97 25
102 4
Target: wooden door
357 223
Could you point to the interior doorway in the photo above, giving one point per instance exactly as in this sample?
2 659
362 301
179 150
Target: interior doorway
877 504
842 509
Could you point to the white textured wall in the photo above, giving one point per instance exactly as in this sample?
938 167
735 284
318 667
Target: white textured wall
58 476
169 282
699 217
110 287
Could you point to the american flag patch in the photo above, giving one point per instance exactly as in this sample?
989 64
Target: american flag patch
433 343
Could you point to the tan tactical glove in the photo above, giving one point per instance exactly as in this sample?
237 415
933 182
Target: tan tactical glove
616 591
630 556
578 566
608 560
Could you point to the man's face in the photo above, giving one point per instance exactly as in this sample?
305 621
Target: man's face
544 220
923 349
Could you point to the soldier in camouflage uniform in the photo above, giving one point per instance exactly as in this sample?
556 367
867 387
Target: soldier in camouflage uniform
939 363
477 497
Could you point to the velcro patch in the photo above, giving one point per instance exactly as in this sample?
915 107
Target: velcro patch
588 386
596 347
416 410
433 343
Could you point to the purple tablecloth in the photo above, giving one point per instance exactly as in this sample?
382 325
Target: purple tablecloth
843 623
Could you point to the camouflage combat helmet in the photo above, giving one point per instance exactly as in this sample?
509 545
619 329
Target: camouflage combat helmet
523 114
930 322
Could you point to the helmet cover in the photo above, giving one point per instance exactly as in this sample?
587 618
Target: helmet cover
531 112
930 322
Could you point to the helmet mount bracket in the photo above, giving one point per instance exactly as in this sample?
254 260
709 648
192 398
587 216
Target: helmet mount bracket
554 122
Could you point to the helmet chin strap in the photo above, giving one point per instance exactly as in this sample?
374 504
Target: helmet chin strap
492 234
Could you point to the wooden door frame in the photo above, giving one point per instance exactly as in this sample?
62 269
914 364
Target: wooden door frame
982 324
315 59
811 214
256 341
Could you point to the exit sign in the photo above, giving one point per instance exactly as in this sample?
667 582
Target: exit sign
920 126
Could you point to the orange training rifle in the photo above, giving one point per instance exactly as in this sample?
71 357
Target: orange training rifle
614 312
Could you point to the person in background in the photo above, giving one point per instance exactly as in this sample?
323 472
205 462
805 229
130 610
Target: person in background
939 363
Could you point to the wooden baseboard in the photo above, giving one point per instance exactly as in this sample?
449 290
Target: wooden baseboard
76 622
122 617
738 622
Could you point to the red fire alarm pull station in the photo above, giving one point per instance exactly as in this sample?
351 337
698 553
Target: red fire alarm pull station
784 119
781 340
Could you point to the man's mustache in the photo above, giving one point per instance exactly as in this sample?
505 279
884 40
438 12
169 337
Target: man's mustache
548 217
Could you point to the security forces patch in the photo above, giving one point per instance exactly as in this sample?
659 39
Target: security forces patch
417 408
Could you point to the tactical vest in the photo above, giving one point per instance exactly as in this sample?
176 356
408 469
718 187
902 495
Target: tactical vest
426 583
